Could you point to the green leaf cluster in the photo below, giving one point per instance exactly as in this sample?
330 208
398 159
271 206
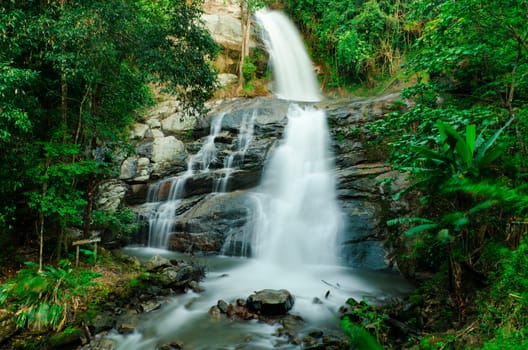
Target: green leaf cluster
74 75
503 313
44 300
361 39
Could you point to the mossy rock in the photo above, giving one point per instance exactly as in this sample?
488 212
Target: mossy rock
69 336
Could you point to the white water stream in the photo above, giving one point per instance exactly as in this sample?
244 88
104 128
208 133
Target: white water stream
296 224
163 217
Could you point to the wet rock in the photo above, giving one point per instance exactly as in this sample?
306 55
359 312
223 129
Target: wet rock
215 313
316 300
101 322
291 322
157 263
223 306
196 287
175 276
150 306
126 328
212 220
270 301
338 341
237 312
100 343
316 333
309 342
177 345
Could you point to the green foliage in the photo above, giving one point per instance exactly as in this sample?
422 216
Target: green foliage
120 222
504 311
357 40
73 77
359 338
477 48
42 300
365 326
248 69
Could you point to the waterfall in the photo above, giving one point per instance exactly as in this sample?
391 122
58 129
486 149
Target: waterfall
291 232
245 136
162 220
292 69
300 217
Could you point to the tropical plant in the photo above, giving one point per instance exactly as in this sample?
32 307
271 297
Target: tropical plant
454 171
45 298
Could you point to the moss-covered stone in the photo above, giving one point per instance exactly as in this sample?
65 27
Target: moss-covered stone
69 336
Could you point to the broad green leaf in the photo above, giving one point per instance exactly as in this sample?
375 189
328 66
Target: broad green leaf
420 228
484 149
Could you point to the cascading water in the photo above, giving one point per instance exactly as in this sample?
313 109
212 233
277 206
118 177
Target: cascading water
292 68
295 222
300 217
245 136
163 218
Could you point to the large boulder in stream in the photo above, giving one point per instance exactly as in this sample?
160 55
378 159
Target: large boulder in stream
173 274
270 301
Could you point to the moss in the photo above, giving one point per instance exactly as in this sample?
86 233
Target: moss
68 336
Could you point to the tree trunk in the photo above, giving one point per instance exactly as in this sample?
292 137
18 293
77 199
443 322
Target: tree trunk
455 283
245 23
41 217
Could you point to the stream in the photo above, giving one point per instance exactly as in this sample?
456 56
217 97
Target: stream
292 234
319 291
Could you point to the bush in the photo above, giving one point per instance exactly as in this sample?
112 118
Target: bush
504 314
44 299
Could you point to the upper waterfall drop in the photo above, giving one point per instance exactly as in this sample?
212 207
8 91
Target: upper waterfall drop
293 72
298 217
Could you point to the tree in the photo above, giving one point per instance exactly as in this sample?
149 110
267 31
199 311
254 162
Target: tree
247 8
73 77
469 183
478 48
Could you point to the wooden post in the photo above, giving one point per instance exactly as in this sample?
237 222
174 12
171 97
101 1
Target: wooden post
86 241
77 256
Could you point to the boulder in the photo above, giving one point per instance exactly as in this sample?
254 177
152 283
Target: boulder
110 195
143 170
225 79
166 149
138 131
175 276
208 222
157 263
225 29
128 168
270 301
103 321
179 123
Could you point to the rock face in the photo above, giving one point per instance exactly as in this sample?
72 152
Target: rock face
365 183
222 19
270 301
208 221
